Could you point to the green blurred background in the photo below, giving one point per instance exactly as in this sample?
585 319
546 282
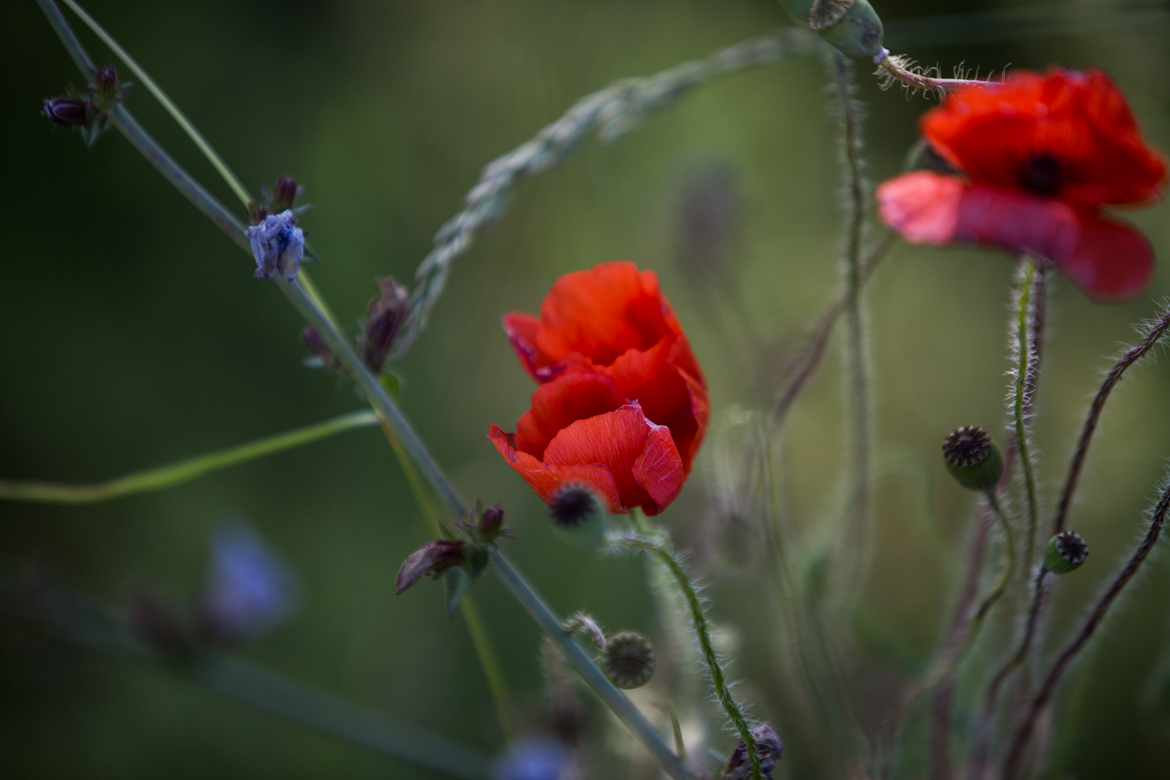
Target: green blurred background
132 334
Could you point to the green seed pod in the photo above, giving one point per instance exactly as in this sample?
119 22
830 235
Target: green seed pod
1065 552
579 516
852 26
972 458
628 660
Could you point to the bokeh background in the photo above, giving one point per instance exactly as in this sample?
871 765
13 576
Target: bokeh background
133 334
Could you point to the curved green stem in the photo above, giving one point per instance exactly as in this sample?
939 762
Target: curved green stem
1022 400
175 474
706 645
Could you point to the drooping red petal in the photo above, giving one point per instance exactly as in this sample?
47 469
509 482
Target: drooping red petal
1109 260
546 479
521 330
1080 121
619 440
573 395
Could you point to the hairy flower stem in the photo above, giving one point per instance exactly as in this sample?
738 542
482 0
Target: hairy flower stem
857 530
1023 734
1152 335
317 315
658 547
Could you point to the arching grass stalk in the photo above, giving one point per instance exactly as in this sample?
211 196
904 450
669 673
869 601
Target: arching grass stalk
368 385
175 474
658 547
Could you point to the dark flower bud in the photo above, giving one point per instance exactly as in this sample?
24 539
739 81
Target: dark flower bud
285 194
384 317
579 515
277 246
67 111
105 82
491 523
322 355
1065 552
628 660
159 622
432 558
972 458
769 747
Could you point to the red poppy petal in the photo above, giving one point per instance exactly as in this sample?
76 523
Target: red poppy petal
546 479
521 330
1111 261
614 440
574 395
922 206
659 469
602 312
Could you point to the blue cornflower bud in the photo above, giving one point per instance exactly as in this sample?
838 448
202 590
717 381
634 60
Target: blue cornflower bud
249 587
535 758
278 245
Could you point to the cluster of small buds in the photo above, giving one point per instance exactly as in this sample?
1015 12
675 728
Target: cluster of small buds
384 318
483 529
1065 552
972 458
628 660
769 748
579 516
87 112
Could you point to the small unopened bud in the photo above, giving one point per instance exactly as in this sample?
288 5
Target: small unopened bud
858 32
322 355
580 516
432 558
285 194
105 82
972 458
769 747
277 246
384 317
628 660
67 111
1065 552
491 523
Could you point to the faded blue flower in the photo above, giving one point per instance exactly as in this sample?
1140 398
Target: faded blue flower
535 758
277 245
249 587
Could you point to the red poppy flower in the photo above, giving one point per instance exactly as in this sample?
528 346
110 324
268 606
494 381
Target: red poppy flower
622 405
1041 153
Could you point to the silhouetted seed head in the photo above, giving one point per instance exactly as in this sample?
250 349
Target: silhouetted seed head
628 660
769 748
67 112
1065 552
972 458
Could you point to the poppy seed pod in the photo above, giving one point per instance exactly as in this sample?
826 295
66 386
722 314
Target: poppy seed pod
972 458
579 516
1065 552
628 660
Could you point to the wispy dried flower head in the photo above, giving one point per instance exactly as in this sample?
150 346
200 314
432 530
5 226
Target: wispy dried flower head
628 660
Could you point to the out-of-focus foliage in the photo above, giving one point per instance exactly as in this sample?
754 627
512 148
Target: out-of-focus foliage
133 333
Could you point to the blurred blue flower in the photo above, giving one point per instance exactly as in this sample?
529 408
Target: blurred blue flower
278 245
535 758
249 587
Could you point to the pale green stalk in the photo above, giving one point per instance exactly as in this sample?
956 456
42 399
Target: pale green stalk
383 404
188 128
175 474
735 713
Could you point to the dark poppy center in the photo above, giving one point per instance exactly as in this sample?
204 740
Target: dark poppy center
1041 174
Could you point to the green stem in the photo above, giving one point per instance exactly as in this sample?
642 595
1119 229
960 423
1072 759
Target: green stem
376 396
188 128
706 645
93 627
1021 401
184 471
618 703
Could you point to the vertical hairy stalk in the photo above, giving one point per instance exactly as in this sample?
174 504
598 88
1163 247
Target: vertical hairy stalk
1024 731
857 530
659 549
1151 336
1027 346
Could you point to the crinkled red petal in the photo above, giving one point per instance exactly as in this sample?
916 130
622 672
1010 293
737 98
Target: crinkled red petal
573 395
546 480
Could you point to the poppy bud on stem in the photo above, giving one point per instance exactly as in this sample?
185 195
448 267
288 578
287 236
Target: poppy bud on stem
579 516
1065 552
628 660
